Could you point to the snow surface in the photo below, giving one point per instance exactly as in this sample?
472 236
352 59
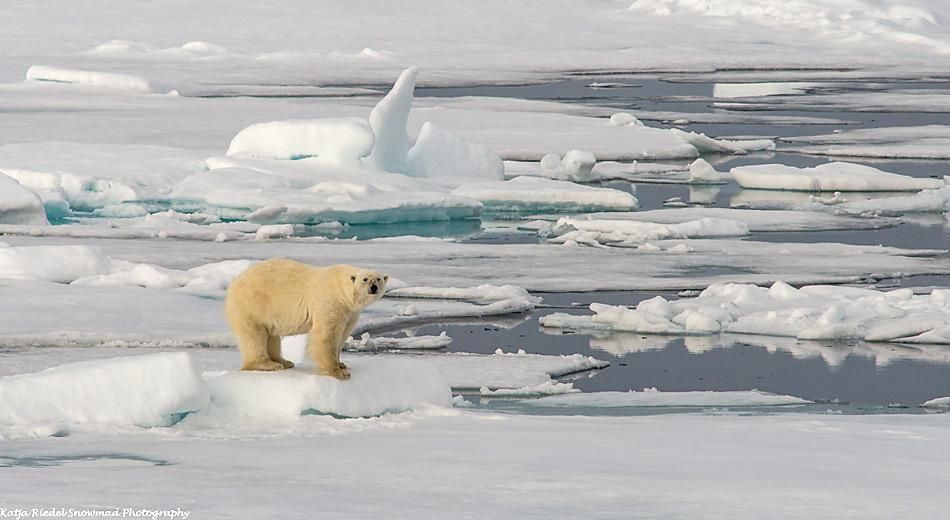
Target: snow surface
834 176
148 390
819 312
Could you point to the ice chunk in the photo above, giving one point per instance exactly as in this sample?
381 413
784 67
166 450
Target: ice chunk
481 294
61 264
835 176
816 312
651 397
632 232
709 145
545 388
378 385
334 140
367 343
110 80
148 390
506 370
441 154
624 119
388 120
539 195
19 205
700 171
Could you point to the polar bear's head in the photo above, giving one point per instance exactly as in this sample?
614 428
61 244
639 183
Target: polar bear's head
368 286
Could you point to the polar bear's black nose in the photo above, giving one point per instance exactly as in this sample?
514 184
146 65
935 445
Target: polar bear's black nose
373 289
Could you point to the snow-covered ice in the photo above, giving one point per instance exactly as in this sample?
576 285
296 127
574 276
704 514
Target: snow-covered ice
340 141
19 205
899 142
754 220
631 233
834 176
108 80
810 313
378 385
147 390
535 194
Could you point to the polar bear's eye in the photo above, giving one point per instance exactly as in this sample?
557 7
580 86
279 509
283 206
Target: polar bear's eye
365 279
353 278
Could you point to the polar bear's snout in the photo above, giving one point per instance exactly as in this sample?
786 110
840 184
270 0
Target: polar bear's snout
373 289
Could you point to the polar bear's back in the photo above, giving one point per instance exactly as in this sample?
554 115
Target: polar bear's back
284 294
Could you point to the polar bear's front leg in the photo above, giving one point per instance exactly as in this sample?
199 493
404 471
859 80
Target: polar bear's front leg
323 347
350 325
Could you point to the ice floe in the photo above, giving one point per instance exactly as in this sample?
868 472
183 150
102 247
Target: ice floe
148 390
333 140
835 176
809 313
631 233
378 385
900 142
110 80
651 397
468 372
534 194
754 220
19 205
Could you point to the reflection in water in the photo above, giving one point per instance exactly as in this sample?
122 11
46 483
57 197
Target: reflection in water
833 354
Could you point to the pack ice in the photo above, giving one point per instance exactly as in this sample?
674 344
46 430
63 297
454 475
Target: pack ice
817 312
160 389
834 176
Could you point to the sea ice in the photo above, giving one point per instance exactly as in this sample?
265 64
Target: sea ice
388 120
147 390
755 220
900 142
631 233
440 154
19 205
333 140
378 385
536 194
835 176
818 312
108 80
651 397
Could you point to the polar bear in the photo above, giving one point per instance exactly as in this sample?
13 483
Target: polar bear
281 297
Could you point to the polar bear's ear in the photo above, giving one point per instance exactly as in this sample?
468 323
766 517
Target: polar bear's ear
386 277
353 278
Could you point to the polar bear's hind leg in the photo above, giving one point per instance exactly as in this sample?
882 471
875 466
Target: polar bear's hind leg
253 344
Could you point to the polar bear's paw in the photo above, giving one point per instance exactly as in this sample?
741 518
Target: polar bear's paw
339 373
287 364
265 366
343 365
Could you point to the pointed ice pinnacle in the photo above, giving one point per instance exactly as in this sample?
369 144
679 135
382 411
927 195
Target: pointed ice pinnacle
388 121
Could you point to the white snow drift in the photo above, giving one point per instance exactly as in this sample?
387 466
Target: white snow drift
19 205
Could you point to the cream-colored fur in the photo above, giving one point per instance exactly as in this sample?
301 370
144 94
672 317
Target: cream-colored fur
281 297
